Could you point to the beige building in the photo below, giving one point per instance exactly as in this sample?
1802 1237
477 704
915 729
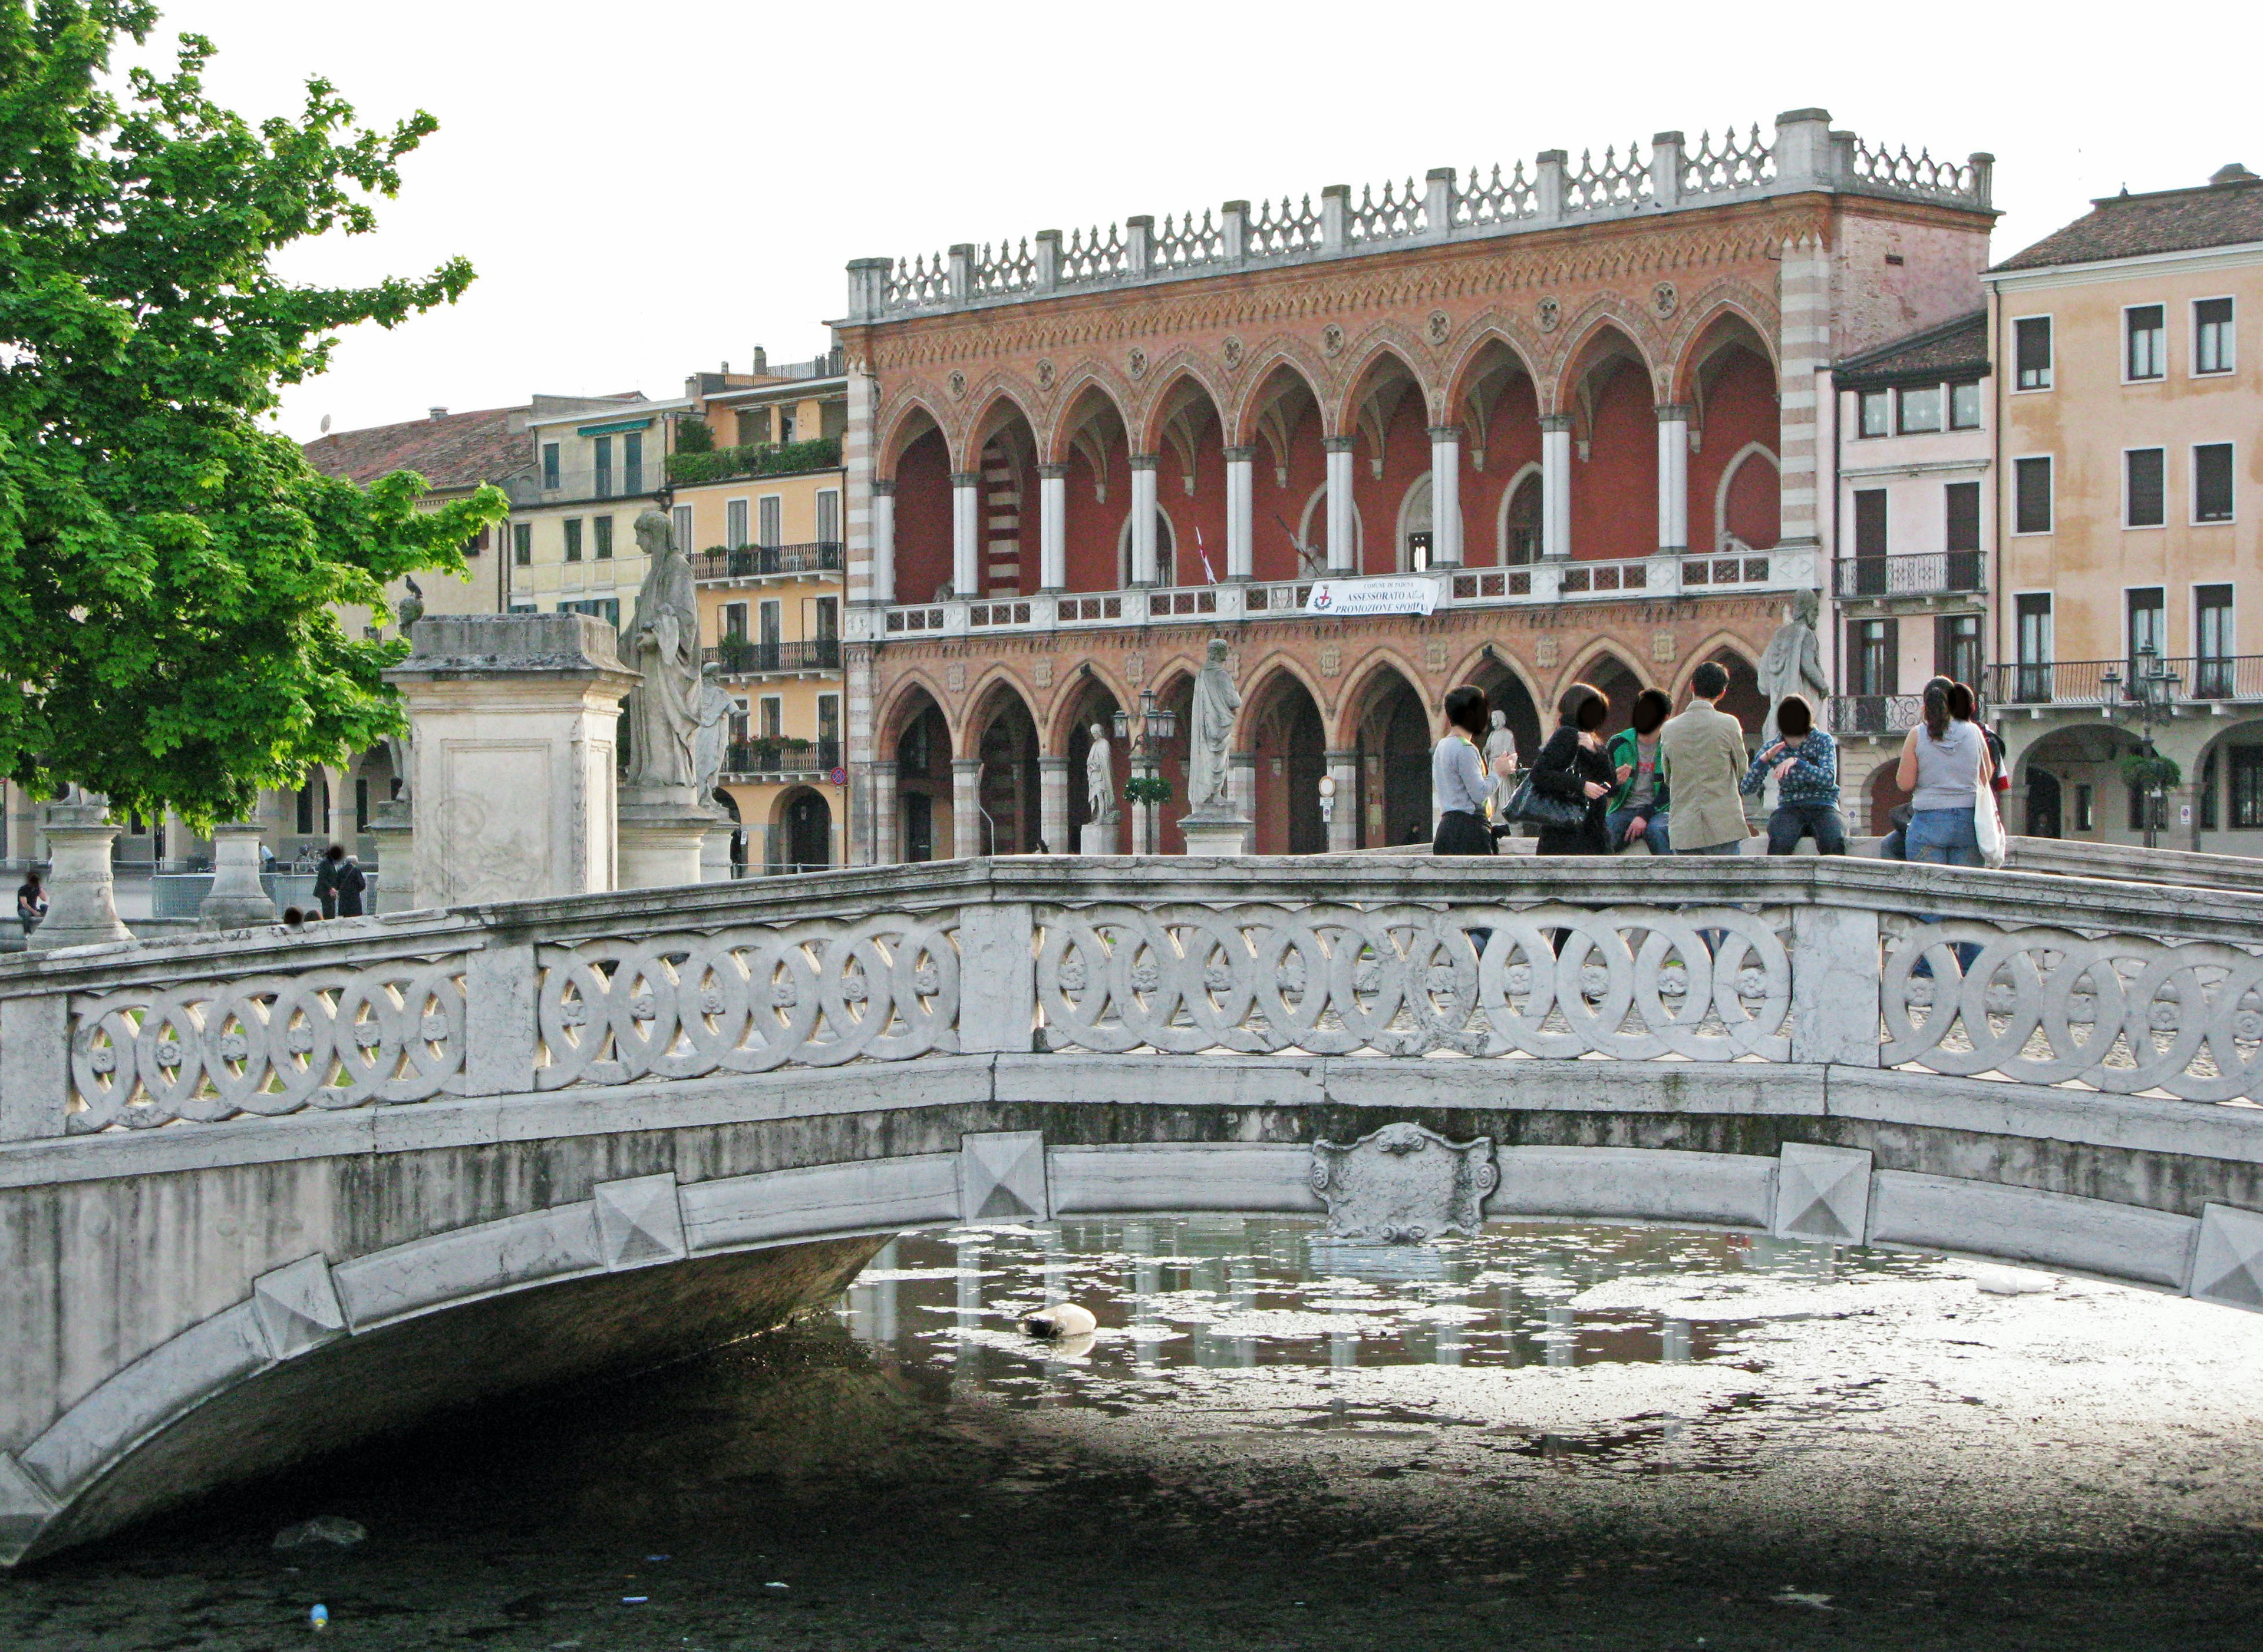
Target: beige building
760 511
592 465
2129 406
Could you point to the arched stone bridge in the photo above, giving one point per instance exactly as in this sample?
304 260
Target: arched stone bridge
261 1195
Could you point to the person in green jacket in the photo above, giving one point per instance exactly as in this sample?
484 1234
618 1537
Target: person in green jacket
1638 808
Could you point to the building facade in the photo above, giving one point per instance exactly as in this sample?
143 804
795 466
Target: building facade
2129 403
1588 404
761 514
1914 536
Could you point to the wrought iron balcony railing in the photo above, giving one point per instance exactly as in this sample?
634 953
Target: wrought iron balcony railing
1922 574
781 757
2083 681
744 656
751 561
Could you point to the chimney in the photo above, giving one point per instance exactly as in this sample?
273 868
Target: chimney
762 359
439 413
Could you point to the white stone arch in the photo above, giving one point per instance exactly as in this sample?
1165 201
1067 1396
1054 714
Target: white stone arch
1728 476
1530 469
1415 517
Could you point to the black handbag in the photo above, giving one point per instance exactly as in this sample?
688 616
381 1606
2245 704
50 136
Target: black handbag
1536 808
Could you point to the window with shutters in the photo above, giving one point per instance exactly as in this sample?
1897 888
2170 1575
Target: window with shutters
2031 352
1874 649
734 523
522 544
828 719
770 514
773 718
828 618
2031 495
2212 482
2145 484
2148 609
2035 639
572 538
1956 647
602 462
2145 341
828 516
2212 642
550 464
633 462
683 528
1870 542
602 537
2213 349
1961 536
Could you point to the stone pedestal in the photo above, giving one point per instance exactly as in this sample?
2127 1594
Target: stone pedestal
715 855
392 828
237 899
514 718
1097 837
663 836
1215 834
82 909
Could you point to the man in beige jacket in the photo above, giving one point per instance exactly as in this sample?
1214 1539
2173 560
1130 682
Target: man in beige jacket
1704 749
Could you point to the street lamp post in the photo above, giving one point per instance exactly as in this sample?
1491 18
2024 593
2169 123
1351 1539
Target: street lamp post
2152 700
1155 724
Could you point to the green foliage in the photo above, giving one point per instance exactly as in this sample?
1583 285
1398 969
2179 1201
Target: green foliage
169 569
1147 789
694 435
2144 771
763 460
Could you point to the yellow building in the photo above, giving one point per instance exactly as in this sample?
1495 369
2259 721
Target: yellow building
2130 488
761 515
593 465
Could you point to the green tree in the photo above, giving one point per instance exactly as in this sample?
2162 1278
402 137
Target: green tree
169 569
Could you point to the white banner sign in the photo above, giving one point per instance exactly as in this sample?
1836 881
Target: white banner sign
1372 596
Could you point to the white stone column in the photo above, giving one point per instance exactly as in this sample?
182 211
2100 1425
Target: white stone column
966 535
1052 804
1344 530
1446 496
1053 528
885 824
1555 485
81 904
969 836
1241 771
1672 478
1241 512
1143 519
237 897
1343 823
883 542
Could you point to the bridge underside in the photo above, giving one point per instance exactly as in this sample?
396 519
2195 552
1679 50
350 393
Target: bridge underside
203 1304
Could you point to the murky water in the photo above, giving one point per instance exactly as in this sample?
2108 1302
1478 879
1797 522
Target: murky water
1547 1436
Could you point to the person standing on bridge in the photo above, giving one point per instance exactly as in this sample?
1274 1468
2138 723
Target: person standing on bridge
1704 749
1459 786
1573 767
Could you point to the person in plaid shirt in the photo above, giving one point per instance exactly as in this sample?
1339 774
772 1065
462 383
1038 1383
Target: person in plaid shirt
1804 763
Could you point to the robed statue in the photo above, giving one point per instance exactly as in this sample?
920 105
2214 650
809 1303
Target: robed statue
1209 785
662 643
1501 743
1793 664
1100 779
713 738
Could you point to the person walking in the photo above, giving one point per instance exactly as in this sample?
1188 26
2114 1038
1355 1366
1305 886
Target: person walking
30 904
1637 812
1573 767
351 881
326 879
1804 763
1459 785
1704 749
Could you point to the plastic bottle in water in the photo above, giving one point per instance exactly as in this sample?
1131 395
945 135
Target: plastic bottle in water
320 1617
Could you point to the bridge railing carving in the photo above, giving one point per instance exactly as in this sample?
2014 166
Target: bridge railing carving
2073 982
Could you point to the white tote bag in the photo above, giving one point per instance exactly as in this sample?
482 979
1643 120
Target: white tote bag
1988 827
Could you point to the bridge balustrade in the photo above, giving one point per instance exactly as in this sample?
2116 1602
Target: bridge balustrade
2069 982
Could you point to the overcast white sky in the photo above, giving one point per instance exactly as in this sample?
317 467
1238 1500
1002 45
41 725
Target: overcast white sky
648 190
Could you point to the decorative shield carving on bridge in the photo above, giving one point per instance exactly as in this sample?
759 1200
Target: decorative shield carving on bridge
1404 1184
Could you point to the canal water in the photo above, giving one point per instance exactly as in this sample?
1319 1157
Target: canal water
1551 1435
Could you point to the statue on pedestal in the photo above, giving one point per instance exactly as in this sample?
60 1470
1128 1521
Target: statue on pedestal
1793 664
1210 783
1498 744
663 642
713 742
1100 779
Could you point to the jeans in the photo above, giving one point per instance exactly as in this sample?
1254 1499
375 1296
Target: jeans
1793 820
1944 837
1655 833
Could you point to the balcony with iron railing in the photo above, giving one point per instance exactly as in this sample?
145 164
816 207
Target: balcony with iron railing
759 561
749 656
2219 678
1920 574
1855 715
771 759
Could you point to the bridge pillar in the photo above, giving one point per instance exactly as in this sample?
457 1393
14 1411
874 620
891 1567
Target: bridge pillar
82 908
969 836
1052 804
237 899
1836 972
514 719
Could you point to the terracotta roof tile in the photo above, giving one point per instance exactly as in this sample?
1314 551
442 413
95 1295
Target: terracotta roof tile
2222 215
1955 349
456 450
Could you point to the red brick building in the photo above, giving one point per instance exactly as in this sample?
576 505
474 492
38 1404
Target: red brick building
1585 401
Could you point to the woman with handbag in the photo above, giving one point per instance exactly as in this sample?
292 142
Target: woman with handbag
1459 785
1572 777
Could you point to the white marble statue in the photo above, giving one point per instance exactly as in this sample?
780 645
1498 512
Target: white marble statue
1100 779
1500 743
1209 783
1793 664
714 739
663 642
